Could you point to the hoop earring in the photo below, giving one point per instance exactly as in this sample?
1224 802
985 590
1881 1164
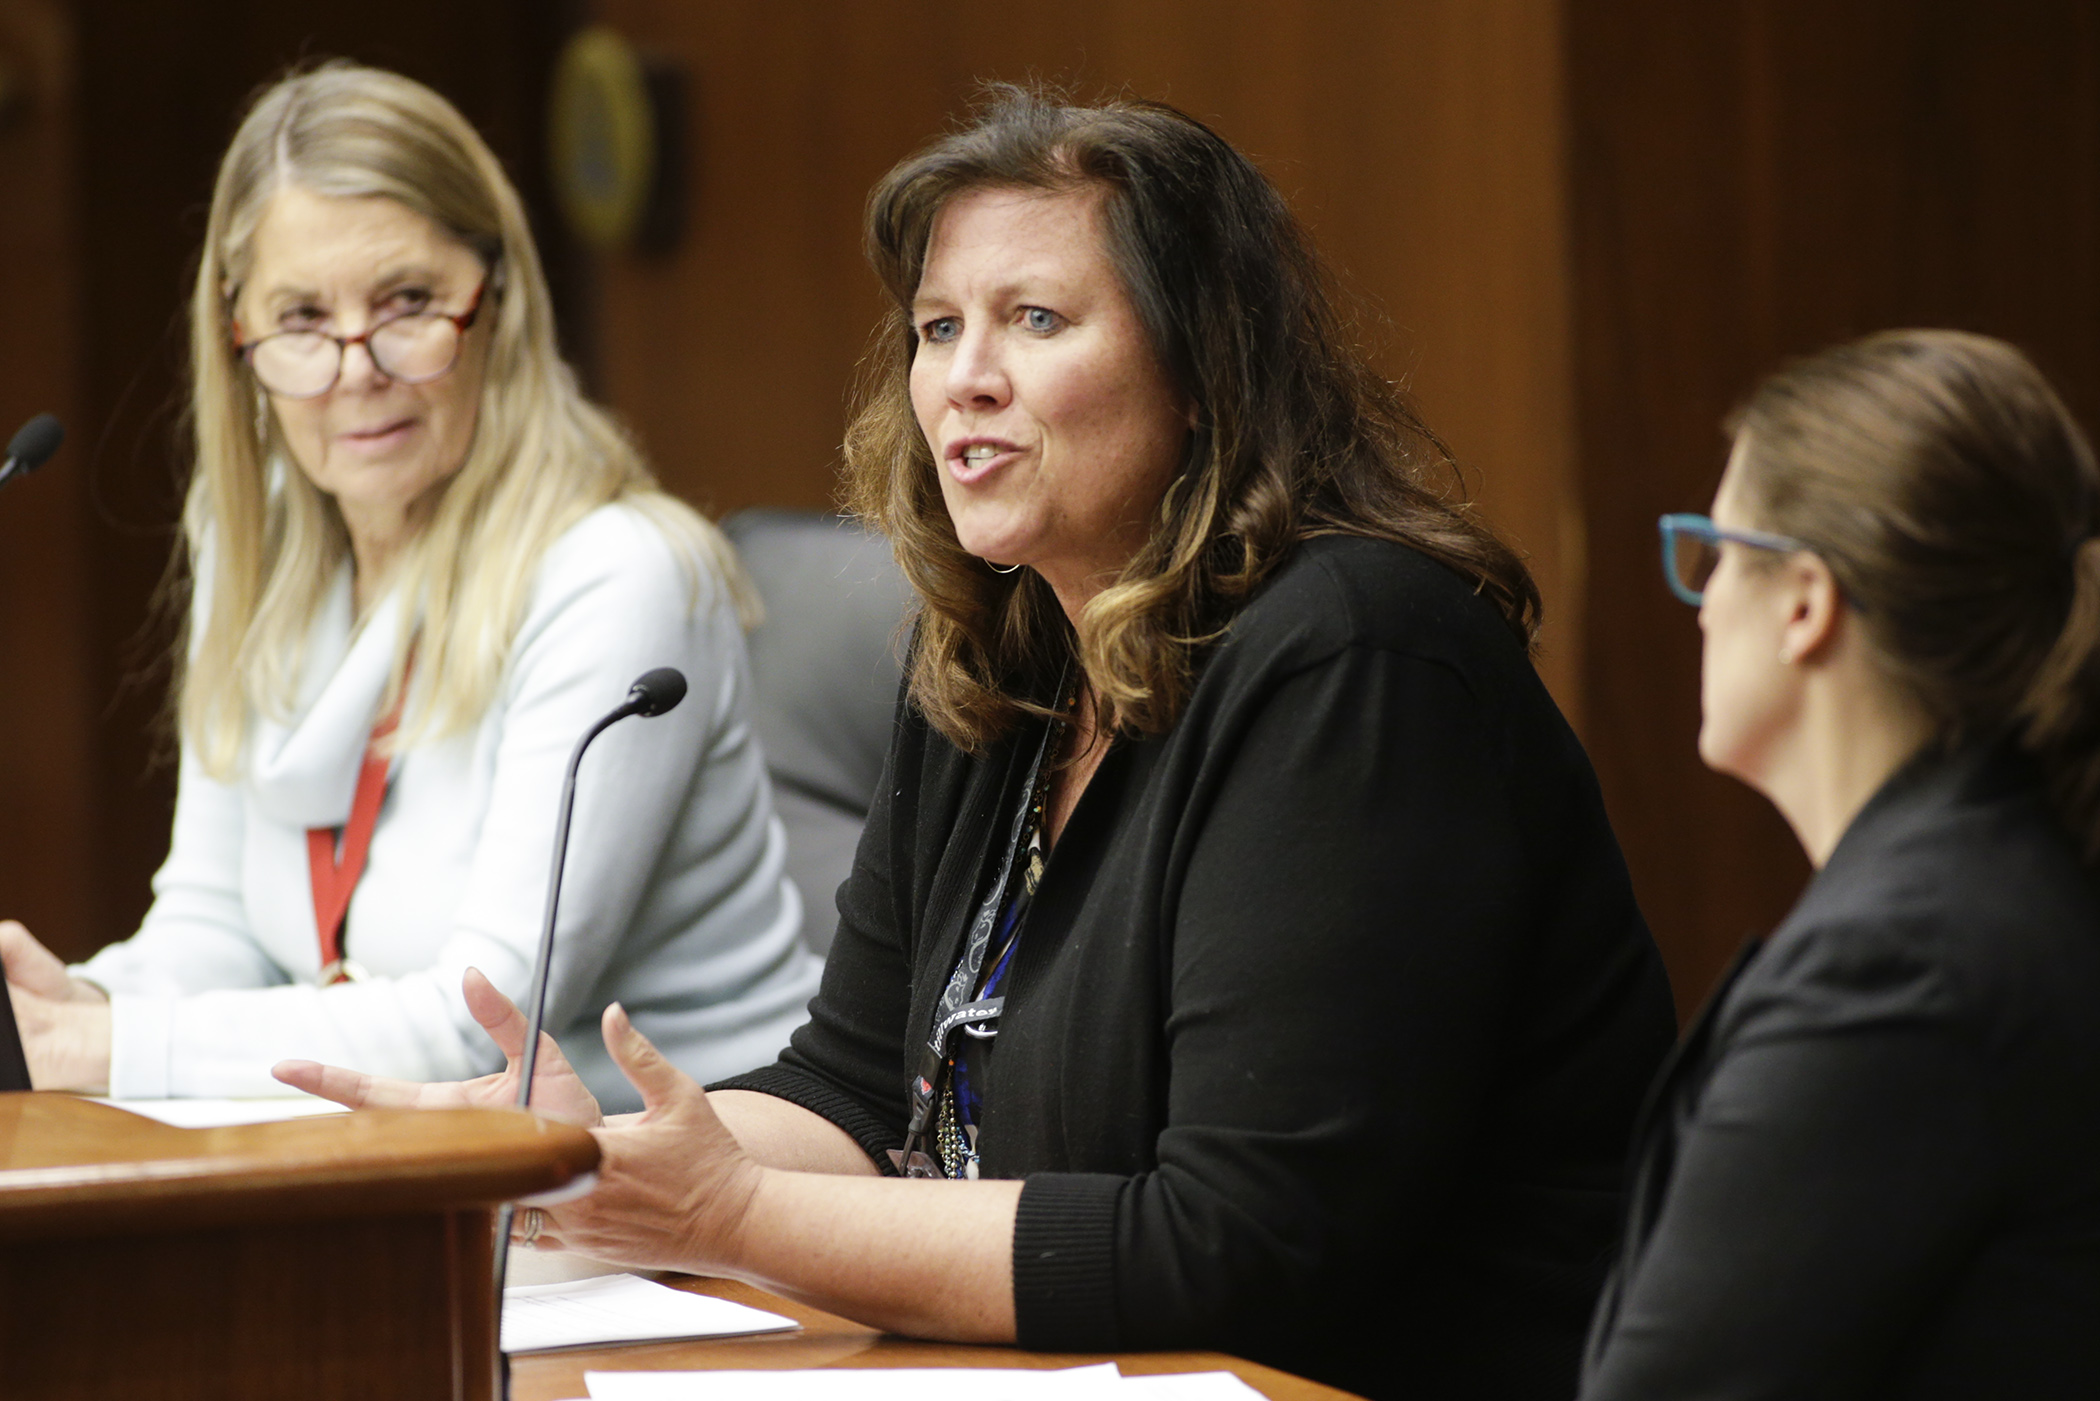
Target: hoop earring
1011 568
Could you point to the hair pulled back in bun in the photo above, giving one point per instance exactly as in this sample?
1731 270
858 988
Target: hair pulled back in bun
1955 499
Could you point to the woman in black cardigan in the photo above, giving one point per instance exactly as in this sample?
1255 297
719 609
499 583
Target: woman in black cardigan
1873 1167
1236 909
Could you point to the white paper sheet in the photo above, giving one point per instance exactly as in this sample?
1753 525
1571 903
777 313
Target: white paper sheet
1186 1386
225 1113
1096 1383
621 1309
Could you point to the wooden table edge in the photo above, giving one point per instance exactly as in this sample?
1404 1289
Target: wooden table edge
72 1167
826 1340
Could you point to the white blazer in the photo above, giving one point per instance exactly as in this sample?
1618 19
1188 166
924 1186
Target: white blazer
673 901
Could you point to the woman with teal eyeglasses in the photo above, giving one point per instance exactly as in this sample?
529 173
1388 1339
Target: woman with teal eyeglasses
1692 551
1873 1166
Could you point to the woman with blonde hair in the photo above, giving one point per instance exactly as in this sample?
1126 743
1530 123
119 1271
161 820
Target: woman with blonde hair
421 563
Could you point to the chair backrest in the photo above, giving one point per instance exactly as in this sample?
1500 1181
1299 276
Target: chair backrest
825 668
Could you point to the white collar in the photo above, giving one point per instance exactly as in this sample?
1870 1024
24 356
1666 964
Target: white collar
302 770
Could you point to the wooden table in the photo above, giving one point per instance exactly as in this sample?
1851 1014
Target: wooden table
342 1259
332 1259
826 1340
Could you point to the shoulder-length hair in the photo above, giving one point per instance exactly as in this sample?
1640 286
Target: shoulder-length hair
1295 436
271 544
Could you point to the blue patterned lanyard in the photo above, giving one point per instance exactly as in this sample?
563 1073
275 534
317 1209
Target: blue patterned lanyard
958 1010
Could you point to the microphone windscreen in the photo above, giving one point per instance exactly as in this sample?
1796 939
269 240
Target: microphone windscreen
35 441
659 690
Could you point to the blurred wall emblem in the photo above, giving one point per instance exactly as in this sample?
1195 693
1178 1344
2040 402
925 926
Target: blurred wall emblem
603 138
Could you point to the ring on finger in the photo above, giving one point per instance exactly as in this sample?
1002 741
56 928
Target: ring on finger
535 1222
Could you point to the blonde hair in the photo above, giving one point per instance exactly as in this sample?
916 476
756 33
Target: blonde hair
542 457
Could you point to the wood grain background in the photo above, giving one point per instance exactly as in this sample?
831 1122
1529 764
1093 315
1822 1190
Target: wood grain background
1754 181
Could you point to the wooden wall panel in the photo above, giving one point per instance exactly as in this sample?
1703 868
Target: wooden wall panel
1757 180
113 172
1421 139
730 355
47 708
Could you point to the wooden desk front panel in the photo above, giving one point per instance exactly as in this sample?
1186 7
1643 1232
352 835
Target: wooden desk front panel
397 1307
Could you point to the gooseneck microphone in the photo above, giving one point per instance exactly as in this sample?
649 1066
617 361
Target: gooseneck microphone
653 694
31 447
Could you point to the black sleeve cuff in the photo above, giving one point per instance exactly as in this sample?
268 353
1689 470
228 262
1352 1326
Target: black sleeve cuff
826 1101
1065 1262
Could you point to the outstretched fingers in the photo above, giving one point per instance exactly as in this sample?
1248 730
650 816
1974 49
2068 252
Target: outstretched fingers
557 1091
30 965
353 1089
645 1067
673 1183
507 1026
498 1015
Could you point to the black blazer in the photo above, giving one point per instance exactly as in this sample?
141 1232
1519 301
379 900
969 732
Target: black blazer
1873 1166
1330 1019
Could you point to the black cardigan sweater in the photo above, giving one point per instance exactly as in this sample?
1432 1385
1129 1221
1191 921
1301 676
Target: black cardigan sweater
1873 1169
1331 1017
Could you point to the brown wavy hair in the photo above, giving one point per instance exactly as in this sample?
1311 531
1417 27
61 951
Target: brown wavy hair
1295 437
1958 506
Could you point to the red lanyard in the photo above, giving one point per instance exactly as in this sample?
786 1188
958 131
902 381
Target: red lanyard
335 875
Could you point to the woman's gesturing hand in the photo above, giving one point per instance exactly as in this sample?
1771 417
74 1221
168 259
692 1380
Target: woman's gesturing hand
557 1091
64 1021
673 1183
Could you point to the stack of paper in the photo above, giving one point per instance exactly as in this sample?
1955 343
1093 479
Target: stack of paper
1098 1383
621 1309
226 1113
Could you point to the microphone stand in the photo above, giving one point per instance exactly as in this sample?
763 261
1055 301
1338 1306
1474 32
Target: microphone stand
652 694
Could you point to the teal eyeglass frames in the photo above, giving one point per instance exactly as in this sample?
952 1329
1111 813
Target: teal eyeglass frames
1691 548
